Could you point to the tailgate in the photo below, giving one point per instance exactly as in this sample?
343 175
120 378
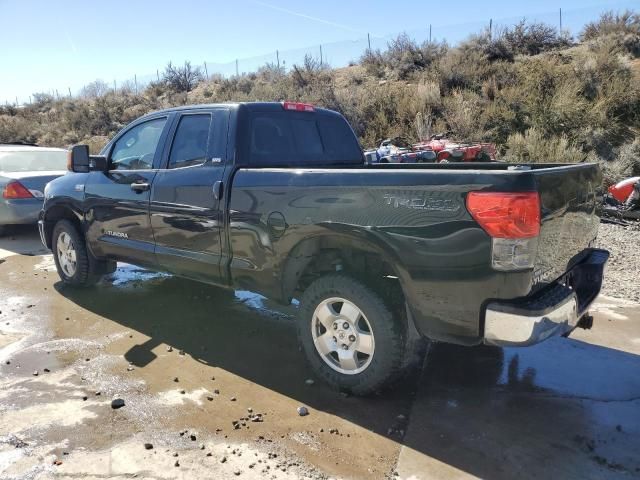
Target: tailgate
568 196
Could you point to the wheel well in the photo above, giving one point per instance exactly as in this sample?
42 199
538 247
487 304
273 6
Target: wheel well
55 214
320 256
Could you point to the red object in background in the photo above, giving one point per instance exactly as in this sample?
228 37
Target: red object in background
466 152
621 190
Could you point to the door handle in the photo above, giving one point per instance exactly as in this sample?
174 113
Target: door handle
140 187
217 190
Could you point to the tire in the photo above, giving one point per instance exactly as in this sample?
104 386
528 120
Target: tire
73 263
375 341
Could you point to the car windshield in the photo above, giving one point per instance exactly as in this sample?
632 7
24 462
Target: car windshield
32 160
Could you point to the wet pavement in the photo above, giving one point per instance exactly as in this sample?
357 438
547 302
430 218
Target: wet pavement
212 381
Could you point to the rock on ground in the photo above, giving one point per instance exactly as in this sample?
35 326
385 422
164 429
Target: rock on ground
622 274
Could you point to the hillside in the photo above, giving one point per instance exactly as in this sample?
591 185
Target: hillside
539 95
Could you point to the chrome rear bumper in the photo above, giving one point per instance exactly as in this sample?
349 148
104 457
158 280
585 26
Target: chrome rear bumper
556 310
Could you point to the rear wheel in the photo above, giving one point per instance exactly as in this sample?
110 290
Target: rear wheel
349 335
71 257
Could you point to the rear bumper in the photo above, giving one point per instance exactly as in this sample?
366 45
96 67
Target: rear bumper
19 211
556 310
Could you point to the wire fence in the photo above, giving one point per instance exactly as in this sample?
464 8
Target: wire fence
342 53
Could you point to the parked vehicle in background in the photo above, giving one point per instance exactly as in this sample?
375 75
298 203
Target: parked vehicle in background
24 172
276 198
436 150
398 150
447 150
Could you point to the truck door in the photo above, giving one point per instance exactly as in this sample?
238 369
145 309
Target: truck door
186 198
118 201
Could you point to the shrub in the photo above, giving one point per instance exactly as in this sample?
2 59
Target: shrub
182 79
462 112
533 38
402 58
626 164
536 147
609 23
94 89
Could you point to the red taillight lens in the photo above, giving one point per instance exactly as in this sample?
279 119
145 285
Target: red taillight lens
298 106
506 215
443 155
15 189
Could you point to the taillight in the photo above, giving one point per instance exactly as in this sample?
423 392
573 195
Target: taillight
298 106
15 189
506 215
513 222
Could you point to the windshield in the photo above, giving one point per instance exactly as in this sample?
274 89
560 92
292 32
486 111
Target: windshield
32 160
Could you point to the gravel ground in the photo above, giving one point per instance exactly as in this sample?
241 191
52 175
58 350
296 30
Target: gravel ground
622 275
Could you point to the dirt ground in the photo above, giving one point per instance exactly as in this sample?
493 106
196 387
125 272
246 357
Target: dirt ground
211 383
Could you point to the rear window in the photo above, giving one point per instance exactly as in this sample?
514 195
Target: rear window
32 160
292 138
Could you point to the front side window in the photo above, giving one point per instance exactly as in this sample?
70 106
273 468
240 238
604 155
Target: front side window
190 142
137 147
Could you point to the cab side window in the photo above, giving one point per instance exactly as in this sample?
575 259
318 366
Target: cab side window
137 147
191 141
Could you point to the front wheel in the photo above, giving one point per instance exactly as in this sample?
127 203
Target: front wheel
71 257
349 335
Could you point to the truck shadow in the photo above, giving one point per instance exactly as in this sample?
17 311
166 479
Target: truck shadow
559 407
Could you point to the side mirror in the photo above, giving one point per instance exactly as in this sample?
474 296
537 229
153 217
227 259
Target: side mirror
78 158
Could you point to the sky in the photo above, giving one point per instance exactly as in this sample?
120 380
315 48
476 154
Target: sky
49 46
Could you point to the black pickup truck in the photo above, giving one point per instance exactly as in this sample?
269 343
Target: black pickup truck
276 198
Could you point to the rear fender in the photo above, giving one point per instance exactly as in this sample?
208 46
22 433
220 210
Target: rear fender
343 238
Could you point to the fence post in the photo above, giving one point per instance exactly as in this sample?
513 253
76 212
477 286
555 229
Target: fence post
429 33
560 32
206 73
320 55
115 88
237 74
369 41
69 91
158 75
29 99
490 27
135 82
